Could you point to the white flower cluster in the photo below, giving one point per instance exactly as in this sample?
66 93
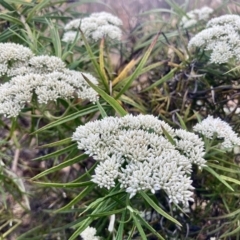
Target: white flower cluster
46 76
215 127
89 234
47 87
193 17
39 65
221 38
134 151
94 27
12 55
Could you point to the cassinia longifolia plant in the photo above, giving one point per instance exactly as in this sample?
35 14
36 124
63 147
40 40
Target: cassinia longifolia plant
193 17
94 28
221 38
134 151
46 76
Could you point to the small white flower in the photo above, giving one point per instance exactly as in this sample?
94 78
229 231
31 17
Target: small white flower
215 127
71 36
89 234
45 64
94 27
221 38
193 17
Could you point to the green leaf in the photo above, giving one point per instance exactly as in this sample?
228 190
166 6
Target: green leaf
65 185
36 9
158 209
61 166
117 107
56 40
101 110
11 19
80 196
219 177
94 61
168 136
107 213
120 232
231 233
229 179
56 144
162 80
139 67
6 5
56 153
139 227
183 125
68 118
147 225
225 169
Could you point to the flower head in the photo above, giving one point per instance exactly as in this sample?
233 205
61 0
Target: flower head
134 151
215 127
47 87
12 55
221 38
94 27
193 17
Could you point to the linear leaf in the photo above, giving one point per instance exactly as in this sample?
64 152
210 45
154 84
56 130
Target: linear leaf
158 209
101 110
56 144
61 166
139 227
118 108
64 185
56 153
80 196
147 225
139 67
162 80
68 118
219 177
229 179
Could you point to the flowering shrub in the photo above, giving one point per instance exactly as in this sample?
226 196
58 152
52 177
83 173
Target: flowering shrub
134 151
137 155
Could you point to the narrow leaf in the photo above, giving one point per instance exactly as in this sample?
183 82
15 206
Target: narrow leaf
61 166
125 71
64 185
139 67
162 80
56 153
158 209
101 110
68 118
118 108
219 177
80 196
